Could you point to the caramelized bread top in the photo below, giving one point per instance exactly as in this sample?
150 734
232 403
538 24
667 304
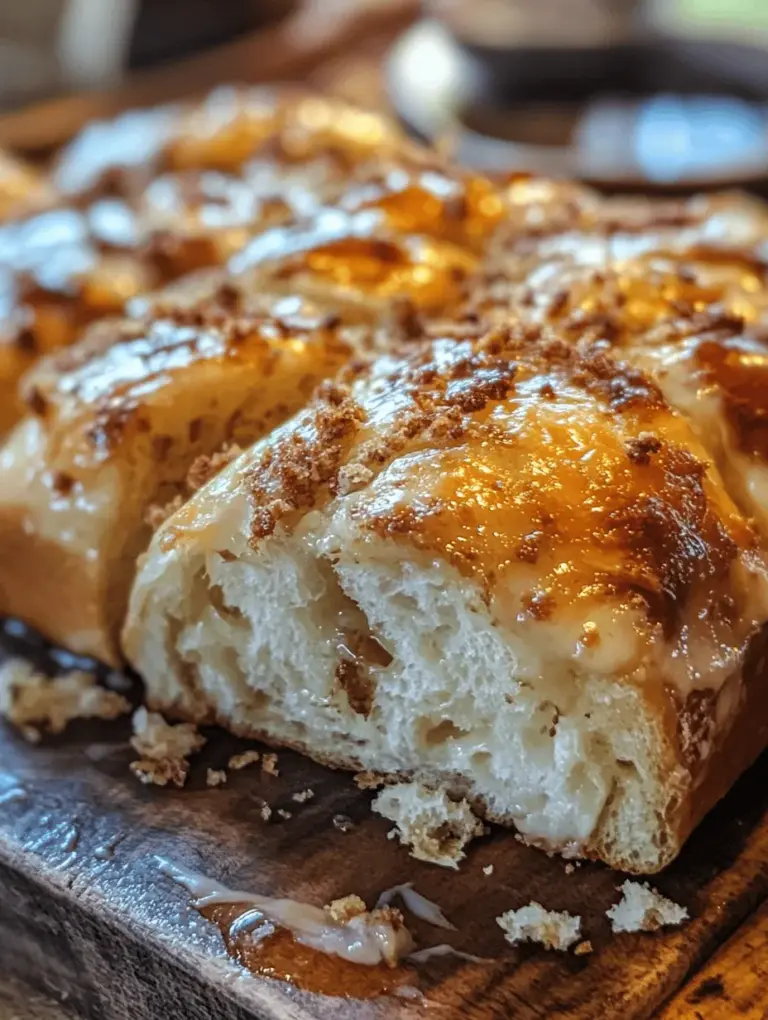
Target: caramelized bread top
556 478
229 128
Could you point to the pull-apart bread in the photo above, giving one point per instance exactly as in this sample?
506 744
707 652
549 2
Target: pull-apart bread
158 194
116 422
688 305
503 564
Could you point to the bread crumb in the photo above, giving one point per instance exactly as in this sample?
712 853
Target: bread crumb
34 702
266 812
488 869
164 748
369 780
435 827
384 926
342 911
154 738
570 868
303 796
160 773
583 948
284 814
269 764
343 823
215 777
642 908
532 923
239 761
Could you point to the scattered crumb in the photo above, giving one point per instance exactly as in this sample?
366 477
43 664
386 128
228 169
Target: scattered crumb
342 911
239 761
303 796
570 868
35 702
642 908
284 814
269 764
266 812
435 827
164 748
215 777
369 780
343 823
532 923
583 948
154 738
160 773
488 869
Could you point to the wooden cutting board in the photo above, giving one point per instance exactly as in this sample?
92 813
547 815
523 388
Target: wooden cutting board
88 917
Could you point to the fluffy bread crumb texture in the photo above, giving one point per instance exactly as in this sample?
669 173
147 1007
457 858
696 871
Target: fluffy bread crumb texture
642 908
550 928
434 827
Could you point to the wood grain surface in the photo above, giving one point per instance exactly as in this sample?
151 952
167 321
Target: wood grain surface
735 981
88 917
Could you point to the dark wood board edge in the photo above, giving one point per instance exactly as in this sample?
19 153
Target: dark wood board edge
61 946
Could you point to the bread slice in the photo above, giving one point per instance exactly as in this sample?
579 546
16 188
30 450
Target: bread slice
116 424
503 566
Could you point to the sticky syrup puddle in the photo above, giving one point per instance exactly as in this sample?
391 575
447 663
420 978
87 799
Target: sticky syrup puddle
256 931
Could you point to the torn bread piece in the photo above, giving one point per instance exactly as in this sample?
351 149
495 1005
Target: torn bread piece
164 748
434 827
34 702
642 908
550 928
455 568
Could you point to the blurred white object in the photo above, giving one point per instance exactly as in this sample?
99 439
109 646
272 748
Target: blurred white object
94 40
52 45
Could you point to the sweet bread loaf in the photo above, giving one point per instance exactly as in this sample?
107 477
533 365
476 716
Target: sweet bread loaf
116 421
502 564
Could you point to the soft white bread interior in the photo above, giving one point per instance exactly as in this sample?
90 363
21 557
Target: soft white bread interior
502 565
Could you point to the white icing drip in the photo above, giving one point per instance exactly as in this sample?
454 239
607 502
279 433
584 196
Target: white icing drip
423 955
418 905
360 940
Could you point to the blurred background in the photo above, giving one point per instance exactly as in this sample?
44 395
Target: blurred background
663 94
